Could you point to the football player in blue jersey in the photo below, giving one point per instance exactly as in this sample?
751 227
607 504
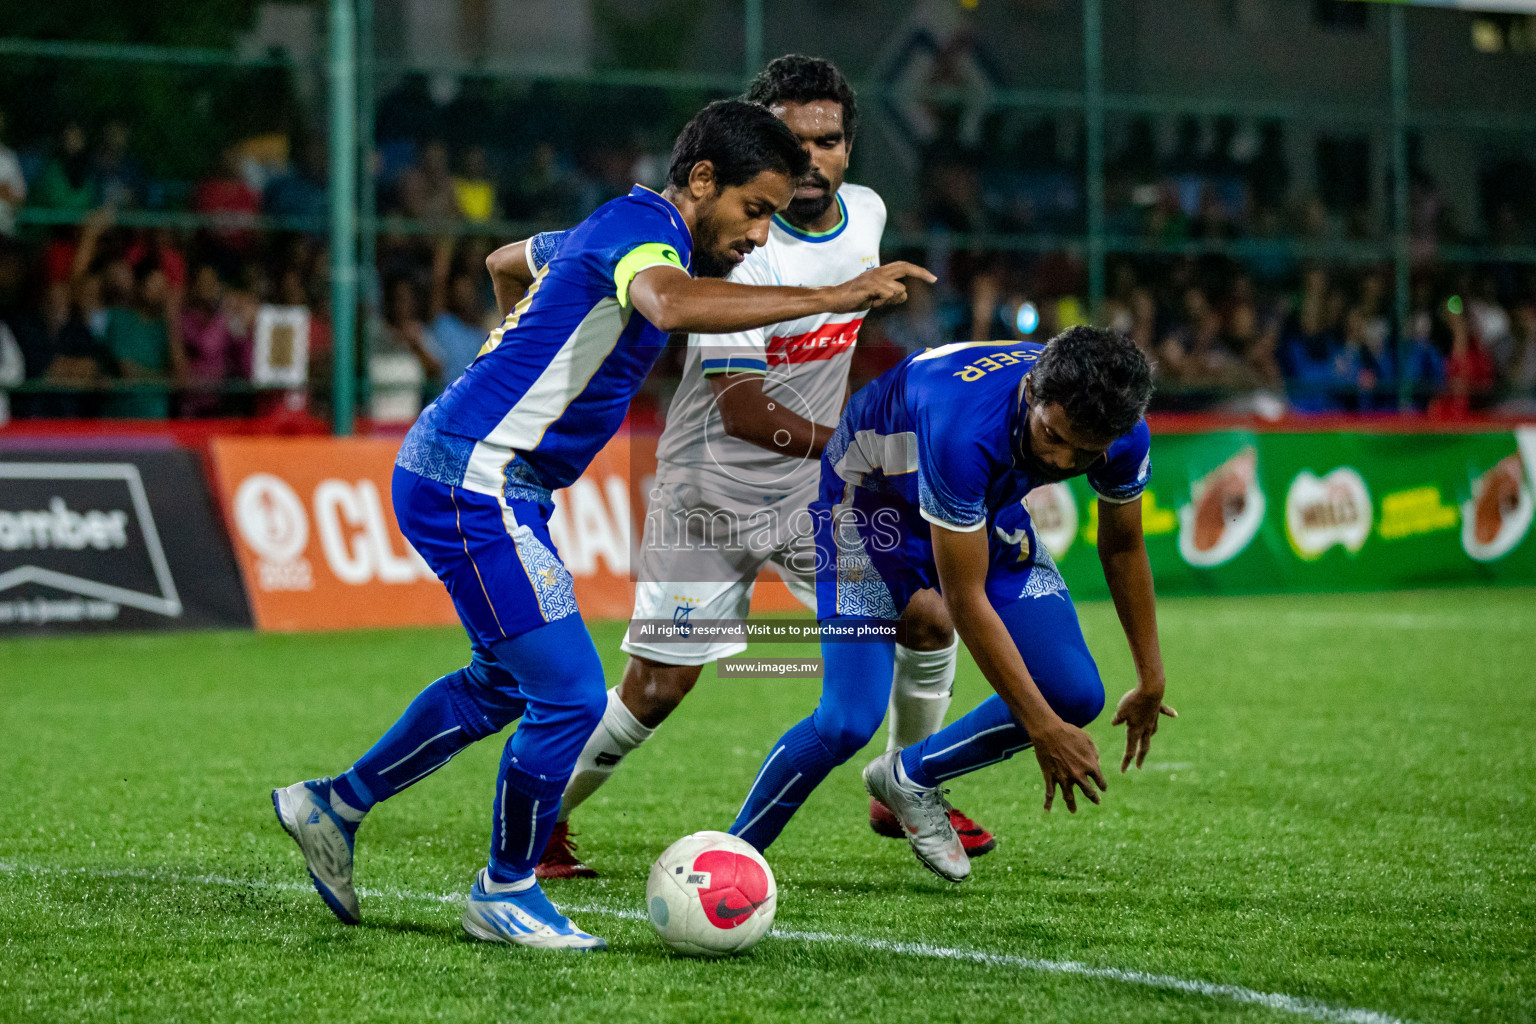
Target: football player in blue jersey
783 397
923 484
472 492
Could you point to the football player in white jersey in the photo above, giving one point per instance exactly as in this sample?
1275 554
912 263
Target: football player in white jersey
738 462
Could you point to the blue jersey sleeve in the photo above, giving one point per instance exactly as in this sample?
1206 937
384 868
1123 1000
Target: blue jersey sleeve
953 470
1126 467
630 240
541 248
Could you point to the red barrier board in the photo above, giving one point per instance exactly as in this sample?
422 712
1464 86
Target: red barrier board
319 548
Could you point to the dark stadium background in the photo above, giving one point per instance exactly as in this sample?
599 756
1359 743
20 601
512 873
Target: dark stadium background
1302 206
242 244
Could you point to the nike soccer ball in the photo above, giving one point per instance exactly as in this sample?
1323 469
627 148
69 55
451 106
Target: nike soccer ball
711 894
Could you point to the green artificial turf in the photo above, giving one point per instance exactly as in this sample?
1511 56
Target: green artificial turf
1343 813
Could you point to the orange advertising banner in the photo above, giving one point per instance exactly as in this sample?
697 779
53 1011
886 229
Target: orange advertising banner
318 546
315 534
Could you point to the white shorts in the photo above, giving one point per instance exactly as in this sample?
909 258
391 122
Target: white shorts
700 557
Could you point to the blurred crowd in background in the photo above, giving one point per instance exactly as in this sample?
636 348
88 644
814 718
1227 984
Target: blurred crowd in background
102 319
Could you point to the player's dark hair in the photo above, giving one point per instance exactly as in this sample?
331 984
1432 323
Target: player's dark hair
742 140
1101 380
795 78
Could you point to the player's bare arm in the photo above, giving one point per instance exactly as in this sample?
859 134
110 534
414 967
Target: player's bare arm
748 414
510 274
677 303
1123 553
1066 754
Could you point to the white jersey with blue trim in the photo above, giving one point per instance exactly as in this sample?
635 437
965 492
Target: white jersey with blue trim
552 383
943 434
804 363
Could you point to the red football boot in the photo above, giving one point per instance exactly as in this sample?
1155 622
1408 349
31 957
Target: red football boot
883 821
560 860
973 837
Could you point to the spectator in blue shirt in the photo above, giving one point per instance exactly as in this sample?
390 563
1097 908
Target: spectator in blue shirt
300 192
457 330
1318 371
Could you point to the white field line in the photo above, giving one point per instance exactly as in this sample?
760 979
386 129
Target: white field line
1298 1005
1415 621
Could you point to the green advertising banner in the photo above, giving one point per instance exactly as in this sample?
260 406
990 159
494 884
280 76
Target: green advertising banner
1243 512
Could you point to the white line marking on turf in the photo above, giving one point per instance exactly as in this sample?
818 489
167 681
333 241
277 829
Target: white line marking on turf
1297 1005
1236 993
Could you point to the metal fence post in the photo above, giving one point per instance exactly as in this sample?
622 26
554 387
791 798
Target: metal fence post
343 196
754 37
1400 227
1093 116
368 275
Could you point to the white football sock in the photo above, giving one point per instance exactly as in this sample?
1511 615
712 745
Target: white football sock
904 781
921 690
497 888
344 810
616 734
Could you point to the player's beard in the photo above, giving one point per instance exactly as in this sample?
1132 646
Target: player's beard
1042 472
809 210
712 259
709 263
1036 468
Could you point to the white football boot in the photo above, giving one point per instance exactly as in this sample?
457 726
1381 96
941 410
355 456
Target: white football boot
924 817
325 839
523 918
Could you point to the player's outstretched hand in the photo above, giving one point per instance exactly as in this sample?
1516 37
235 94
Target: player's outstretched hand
881 286
1067 758
1140 711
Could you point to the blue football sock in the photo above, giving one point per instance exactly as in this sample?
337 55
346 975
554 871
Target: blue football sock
795 766
1046 632
561 677
455 711
984 736
524 816
854 694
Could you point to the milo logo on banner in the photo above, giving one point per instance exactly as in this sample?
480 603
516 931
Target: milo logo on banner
1498 516
1225 510
1323 511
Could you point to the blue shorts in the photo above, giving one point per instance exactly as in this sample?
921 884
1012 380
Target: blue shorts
495 557
873 553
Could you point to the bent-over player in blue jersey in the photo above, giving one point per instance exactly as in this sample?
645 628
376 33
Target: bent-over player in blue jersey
923 484
473 484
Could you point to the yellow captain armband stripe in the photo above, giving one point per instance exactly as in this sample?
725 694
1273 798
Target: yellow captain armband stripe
644 257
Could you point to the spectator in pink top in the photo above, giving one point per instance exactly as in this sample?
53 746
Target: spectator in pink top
216 333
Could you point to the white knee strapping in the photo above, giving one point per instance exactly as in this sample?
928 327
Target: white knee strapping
921 690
